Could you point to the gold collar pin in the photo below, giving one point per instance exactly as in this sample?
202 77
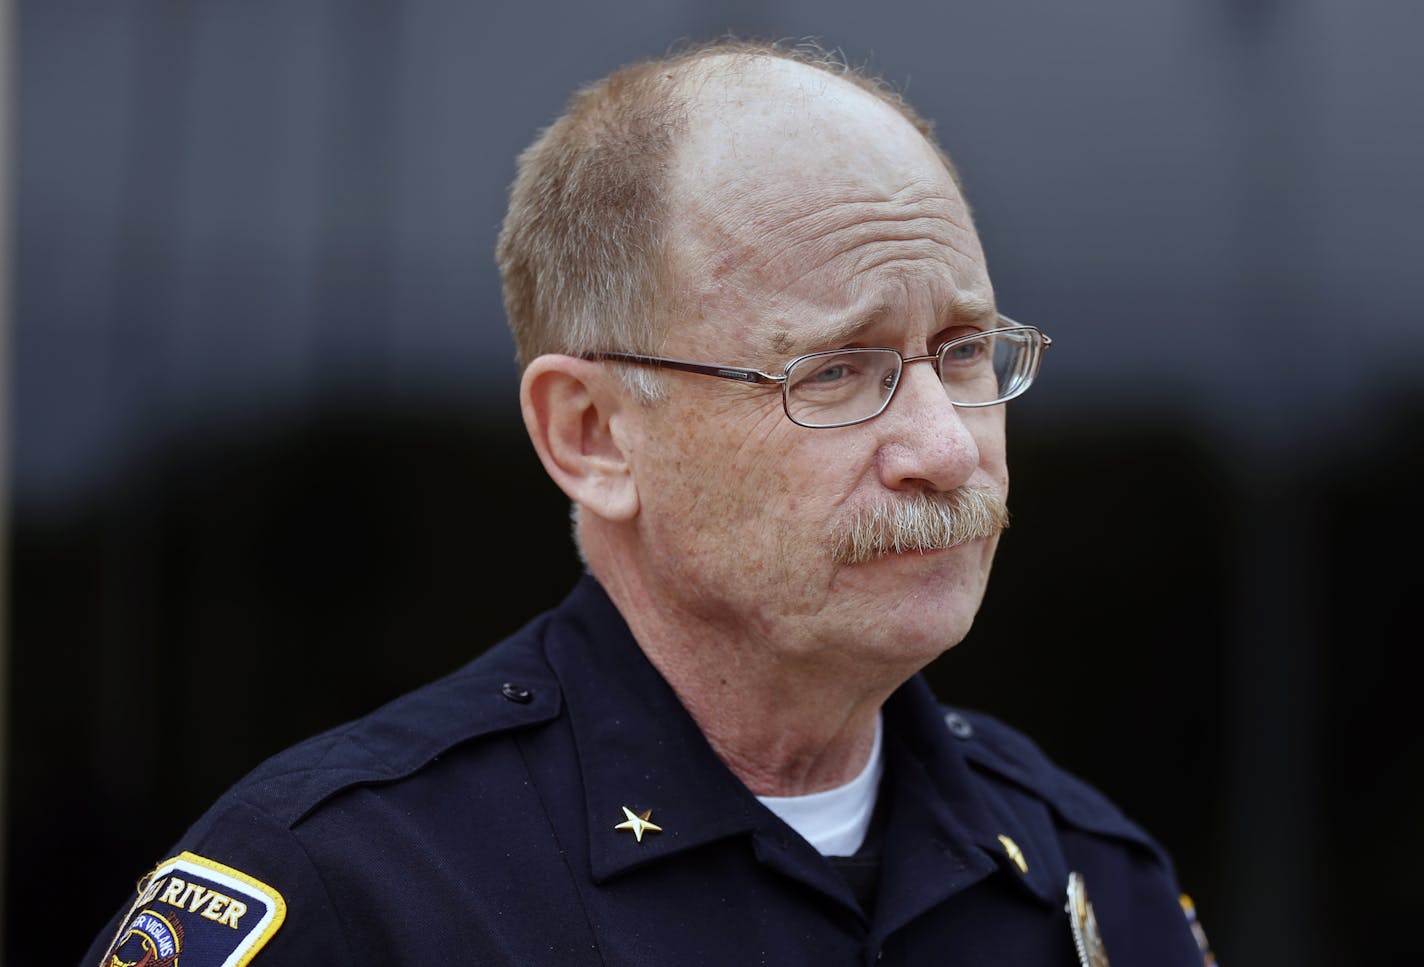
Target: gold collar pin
638 824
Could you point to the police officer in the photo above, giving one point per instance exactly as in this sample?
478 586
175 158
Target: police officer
762 355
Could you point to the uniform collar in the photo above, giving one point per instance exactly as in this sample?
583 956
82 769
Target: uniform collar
964 811
637 746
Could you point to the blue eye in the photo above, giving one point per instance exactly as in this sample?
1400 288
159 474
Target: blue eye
830 374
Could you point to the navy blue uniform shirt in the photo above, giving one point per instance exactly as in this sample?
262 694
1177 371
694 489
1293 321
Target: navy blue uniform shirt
498 816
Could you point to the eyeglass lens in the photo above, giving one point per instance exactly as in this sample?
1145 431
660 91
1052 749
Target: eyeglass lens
847 386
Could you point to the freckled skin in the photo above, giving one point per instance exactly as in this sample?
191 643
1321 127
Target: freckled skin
802 203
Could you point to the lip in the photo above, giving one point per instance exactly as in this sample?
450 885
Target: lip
920 555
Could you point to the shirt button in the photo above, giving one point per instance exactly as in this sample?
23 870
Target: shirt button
958 725
516 693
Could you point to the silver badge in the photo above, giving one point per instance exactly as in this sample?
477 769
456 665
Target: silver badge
1091 952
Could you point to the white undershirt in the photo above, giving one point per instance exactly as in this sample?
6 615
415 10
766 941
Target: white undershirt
835 820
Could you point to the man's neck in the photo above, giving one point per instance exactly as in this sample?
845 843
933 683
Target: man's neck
783 720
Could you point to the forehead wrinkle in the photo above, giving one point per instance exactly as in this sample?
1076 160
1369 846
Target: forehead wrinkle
782 340
806 241
816 252
776 211
749 214
865 256
742 257
875 258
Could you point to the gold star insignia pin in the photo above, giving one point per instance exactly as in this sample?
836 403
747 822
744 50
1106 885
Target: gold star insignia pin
638 825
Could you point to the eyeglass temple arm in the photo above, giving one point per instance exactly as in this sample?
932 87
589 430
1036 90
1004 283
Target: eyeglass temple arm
723 372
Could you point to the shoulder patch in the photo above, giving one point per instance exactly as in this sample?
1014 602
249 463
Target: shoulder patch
208 914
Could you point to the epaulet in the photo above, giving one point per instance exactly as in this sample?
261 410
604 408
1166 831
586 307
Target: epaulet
997 748
508 688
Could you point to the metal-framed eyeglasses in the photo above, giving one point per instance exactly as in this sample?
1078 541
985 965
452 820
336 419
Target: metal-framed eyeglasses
842 387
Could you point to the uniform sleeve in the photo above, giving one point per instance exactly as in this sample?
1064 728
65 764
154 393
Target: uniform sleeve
237 889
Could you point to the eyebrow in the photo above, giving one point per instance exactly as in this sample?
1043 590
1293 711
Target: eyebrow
781 342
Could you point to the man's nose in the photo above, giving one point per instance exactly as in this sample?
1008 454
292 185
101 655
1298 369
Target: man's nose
925 442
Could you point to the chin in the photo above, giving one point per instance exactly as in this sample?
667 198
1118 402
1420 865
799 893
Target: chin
909 648
925 620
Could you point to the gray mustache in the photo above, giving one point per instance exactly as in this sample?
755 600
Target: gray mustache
923 522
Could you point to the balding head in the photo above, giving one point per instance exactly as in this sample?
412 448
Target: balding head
583 251
781 168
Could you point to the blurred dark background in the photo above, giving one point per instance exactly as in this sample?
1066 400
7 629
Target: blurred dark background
266 469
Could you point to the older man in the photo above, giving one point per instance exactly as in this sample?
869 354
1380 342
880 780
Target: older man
761 354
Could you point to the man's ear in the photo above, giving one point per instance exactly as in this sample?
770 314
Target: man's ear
574 410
